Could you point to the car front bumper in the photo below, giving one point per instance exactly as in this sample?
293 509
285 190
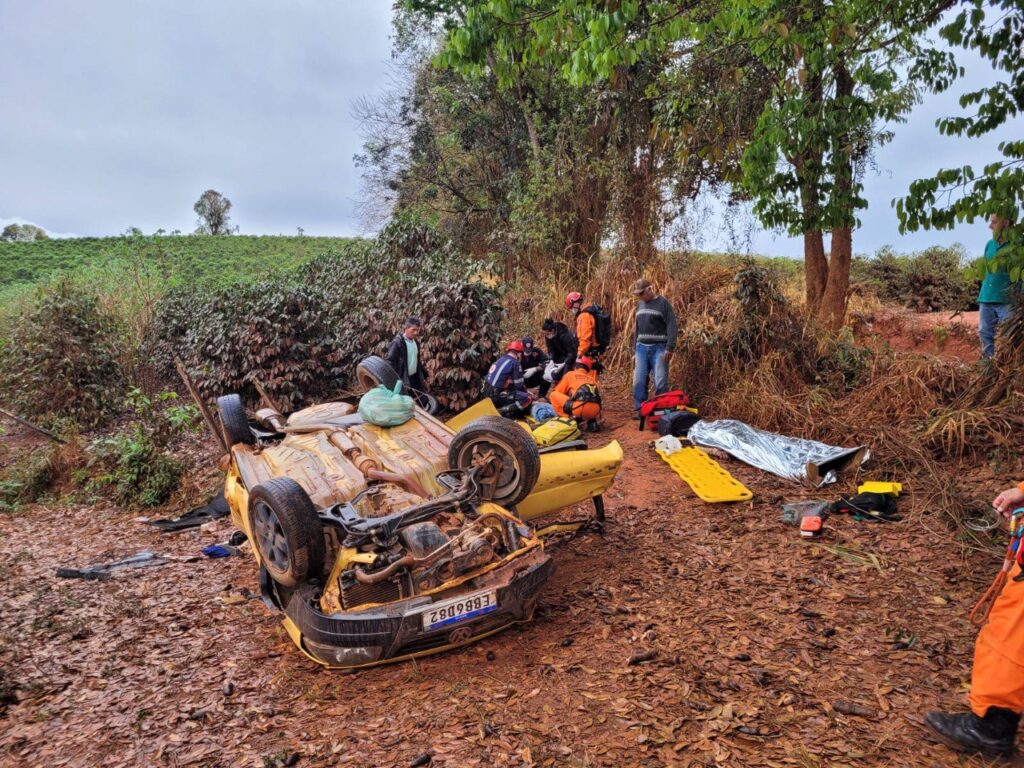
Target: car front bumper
394 632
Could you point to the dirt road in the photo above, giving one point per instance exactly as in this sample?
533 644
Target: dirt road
757 648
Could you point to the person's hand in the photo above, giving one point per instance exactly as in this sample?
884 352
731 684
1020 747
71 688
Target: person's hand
1008 500
668 355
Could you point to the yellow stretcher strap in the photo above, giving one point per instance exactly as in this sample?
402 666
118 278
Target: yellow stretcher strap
705 475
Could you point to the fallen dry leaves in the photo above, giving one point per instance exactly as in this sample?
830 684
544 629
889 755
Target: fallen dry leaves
686 635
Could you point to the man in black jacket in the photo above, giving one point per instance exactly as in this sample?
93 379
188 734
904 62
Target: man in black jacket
404 357
562 345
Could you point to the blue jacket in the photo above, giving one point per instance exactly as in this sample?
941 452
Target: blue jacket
506 373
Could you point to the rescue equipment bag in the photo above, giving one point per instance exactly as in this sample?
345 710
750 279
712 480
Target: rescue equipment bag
677 423
602 330
653 409
556 430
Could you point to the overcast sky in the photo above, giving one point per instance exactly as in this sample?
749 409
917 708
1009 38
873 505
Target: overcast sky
119 113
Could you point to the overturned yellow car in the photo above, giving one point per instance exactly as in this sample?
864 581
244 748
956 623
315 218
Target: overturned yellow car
384 543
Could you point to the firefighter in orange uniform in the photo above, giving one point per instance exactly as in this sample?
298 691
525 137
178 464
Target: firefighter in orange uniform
576 395
997 680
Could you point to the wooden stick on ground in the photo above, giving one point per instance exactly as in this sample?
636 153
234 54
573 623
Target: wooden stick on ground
30 425
265 395
207 416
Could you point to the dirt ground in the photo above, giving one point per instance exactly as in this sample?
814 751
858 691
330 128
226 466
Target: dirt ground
756 648
947 334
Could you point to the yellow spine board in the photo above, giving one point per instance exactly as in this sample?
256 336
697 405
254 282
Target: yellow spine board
705 476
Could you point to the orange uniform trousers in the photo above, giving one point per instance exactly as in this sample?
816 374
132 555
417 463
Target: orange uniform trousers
998 676
564 390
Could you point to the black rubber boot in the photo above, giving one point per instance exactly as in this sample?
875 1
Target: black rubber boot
993 734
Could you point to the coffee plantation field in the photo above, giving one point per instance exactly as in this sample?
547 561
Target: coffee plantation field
189 259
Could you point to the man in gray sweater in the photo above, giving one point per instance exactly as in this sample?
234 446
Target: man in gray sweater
655 340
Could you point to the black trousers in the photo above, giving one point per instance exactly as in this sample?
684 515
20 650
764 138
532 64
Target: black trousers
537 380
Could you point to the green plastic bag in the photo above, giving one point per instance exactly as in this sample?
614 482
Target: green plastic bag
386 408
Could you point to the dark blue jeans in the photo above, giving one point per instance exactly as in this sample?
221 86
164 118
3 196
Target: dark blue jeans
990 315
649 358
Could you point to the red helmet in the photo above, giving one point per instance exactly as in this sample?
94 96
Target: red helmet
515 346
572 297
585 362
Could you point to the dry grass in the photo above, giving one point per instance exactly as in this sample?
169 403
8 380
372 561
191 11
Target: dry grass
760 361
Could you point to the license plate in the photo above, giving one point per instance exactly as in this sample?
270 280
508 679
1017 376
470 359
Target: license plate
459 609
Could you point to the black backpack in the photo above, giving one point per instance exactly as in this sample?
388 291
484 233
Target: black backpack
602 330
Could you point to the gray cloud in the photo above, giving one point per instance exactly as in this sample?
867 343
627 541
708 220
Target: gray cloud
120 113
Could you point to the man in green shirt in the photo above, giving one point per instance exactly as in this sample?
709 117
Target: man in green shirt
994 300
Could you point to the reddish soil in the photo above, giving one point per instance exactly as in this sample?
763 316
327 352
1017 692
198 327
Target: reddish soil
757 648
945 334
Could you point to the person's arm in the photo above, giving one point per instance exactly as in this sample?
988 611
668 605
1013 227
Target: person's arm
518 382
1009 500
395 355
562 387
670 325
585 332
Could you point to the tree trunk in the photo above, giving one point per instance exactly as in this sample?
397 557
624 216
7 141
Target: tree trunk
639 210
833 303
816 268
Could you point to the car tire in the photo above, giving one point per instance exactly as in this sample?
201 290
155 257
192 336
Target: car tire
375 371
286 531
236 423
516 450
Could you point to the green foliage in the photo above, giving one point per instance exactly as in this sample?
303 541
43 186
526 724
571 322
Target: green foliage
303 336
22 233
842 365
185 260
928 281
61 359
27 478
213 210
132 466
994 30
136 465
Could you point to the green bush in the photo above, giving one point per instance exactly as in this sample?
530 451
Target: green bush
134 467
61 359
303 336
928 281
27 479
136 464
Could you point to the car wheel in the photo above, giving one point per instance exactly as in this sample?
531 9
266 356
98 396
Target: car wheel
507 452
236 423
286 531
375 371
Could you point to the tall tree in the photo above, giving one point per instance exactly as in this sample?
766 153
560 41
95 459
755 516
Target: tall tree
23 233
994 30
213 210
833 76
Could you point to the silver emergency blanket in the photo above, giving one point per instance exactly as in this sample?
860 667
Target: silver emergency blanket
805 461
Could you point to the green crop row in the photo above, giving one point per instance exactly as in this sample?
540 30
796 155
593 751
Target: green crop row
183 259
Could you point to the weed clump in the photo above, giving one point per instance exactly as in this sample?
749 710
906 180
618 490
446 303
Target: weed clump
60 359
136 465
